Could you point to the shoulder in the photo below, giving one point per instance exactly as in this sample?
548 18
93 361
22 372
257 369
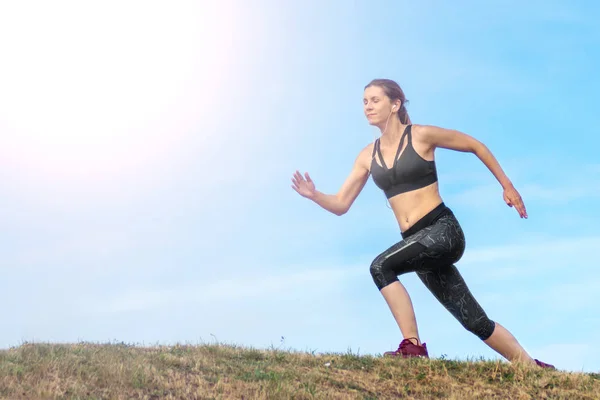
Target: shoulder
435 136
368 149
425 131
365 155
424 135
430 134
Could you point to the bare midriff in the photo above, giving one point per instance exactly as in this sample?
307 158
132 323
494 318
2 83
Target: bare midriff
411 206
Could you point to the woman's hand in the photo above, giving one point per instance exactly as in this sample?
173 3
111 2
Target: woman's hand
513 198
304 187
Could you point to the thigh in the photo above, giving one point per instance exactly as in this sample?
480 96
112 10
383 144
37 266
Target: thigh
444 243
436 245
408 255
404 256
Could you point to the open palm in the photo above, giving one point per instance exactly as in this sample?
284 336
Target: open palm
303 184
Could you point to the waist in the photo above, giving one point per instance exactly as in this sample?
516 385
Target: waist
428 219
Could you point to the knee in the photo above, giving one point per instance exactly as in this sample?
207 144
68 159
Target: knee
482 327
382 275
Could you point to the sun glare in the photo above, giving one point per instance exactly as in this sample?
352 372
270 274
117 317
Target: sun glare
100 86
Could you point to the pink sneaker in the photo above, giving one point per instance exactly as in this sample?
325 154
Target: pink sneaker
543 364
408 349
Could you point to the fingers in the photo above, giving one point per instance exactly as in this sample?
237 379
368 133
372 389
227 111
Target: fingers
513 199
299 182
519 210
520 206
297 178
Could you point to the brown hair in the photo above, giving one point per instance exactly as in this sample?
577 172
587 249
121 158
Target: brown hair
394 92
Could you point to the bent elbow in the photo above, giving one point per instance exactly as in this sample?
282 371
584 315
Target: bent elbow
342 206
343 210
478 147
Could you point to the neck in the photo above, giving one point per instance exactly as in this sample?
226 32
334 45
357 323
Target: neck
391 134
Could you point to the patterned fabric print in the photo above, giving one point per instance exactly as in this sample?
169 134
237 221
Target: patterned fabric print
431 253
449 287
436 245
444 242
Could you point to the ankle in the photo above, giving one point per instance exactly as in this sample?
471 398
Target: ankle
414 340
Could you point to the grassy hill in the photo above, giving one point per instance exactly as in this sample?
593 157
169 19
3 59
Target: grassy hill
121 371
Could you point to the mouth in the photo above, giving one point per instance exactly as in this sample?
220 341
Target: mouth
370 115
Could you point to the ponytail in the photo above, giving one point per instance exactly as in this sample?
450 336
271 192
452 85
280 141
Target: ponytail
403 114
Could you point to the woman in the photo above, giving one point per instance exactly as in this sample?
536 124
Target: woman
402 164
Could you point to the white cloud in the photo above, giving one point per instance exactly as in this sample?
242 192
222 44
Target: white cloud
307 282
530 273
534 254
483 195
477 197
89 246
560 194
574 357
561 298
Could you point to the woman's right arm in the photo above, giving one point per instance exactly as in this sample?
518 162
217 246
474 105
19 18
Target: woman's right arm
339 203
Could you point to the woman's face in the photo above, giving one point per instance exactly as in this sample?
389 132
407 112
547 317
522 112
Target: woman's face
377 105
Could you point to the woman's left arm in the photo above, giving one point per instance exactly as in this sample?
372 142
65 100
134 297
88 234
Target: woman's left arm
456 140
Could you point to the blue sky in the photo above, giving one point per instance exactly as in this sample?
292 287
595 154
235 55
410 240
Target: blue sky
145 171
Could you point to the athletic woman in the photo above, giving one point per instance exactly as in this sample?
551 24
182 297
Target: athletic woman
402 165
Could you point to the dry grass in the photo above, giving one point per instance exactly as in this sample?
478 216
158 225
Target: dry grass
120 371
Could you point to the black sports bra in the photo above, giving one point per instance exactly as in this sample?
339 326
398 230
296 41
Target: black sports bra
409 172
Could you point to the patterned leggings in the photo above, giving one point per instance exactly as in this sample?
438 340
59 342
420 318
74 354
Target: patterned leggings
430 248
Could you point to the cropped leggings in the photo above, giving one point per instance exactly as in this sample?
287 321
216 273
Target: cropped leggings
430 248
